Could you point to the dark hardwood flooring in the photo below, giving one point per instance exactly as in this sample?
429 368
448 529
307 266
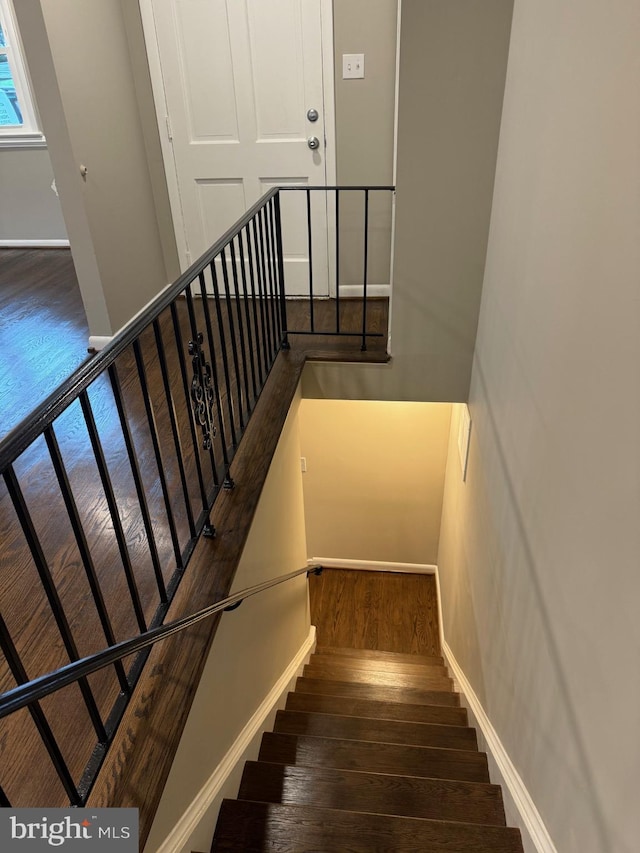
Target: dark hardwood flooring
387 611
43 328
34 363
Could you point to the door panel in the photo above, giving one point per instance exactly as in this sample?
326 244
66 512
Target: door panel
239 78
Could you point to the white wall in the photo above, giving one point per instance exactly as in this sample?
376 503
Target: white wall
251 649
375 478
29 208
540 549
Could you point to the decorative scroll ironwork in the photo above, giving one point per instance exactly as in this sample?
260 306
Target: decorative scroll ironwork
202 396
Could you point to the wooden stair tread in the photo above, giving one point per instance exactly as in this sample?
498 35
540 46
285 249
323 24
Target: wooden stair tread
391 679
378 692
377 793
414 668
375 654
371 729
396 759
355 707
249 826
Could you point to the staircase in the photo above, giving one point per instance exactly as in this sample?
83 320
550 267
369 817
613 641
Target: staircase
371 753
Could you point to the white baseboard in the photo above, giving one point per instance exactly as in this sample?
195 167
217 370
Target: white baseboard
350 291
99 342
34 244
519 805
374 566
180 835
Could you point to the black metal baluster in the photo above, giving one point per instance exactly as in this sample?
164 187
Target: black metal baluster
175 432
225 357
280 260
214 372
187 387
153 431
265 286
48 584
137 479
310 246
272 313
337 262
252 355
232 336
38 717
103 470
280 312
83 549
366 262
243 349
263 336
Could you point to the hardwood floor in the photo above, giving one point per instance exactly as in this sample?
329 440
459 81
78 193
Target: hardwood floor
43 328
150 552
368 610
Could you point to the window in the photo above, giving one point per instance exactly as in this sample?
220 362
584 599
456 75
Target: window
18 118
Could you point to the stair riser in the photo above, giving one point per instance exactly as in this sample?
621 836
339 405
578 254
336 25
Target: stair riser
374 793
345 706
246 827
388 679
349 664
380 731
409 695
397 759
369 654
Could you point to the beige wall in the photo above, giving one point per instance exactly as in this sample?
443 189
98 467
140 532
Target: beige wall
452 66
539 550
374 480
96 111
29 208
253 645
365 115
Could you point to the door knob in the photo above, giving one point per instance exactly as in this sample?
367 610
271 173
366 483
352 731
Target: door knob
312 115
313 142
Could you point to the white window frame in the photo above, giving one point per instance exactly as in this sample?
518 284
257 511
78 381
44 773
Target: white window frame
28 134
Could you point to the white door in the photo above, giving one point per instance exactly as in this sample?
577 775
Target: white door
240 77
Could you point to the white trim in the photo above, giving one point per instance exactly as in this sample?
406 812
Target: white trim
23 134
328 91
34 244
23 139
99 342
503 771
374 566
351 290
162 117
188 823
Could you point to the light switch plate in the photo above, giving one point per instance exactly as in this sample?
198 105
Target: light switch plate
352 66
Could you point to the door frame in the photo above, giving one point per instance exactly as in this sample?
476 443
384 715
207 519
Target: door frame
164 127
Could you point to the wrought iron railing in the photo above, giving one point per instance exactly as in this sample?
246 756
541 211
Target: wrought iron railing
107 487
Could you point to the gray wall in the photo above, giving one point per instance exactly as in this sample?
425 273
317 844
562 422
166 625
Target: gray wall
365 115
95 103
539 550
452 67
29 208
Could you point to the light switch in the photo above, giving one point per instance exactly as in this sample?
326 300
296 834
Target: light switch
352 66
